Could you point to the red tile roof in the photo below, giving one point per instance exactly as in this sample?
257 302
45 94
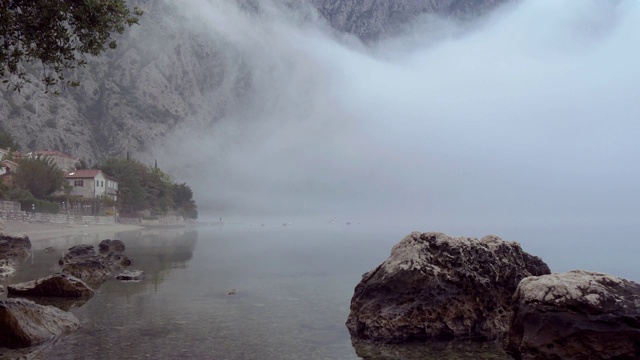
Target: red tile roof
82 174
87 174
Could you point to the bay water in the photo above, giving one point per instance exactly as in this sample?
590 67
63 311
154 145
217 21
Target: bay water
291 288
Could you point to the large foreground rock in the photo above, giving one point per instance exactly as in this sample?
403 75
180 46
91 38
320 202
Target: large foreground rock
438 287
24 323
59 285
575 315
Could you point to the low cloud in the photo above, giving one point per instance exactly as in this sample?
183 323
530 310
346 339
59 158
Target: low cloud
531 117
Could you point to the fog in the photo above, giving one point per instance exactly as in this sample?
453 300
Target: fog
529 116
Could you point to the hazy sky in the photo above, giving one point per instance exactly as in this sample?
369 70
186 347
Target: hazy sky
532 117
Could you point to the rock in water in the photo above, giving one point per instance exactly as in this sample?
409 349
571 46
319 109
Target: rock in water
14 247
91 270
130 275
82 261
575 315
25 323
60 285
111 245
438 287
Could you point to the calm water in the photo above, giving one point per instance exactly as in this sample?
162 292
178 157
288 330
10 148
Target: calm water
293 291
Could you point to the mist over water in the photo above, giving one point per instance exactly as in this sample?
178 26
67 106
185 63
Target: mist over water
523 124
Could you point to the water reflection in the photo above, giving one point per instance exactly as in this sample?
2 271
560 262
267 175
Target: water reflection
293 288
462 350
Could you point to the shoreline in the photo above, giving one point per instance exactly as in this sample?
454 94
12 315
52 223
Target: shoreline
43 231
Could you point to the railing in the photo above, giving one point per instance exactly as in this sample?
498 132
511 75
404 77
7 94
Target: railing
9 206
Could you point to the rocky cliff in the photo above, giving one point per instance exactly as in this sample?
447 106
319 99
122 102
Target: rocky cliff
165 75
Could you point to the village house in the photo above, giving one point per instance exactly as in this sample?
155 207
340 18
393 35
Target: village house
63 161
7 169
91 183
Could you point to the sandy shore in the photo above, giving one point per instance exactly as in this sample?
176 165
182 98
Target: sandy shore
41 231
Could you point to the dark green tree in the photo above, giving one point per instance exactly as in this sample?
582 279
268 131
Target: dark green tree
7 142
57 34
183 201
40 176
130 174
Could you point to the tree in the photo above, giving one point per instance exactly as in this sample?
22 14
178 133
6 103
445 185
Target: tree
184 203
7 142
129 174
40 176
57 34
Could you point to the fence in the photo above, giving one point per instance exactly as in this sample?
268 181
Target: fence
9 206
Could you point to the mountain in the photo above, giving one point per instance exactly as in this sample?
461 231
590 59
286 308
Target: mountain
165 75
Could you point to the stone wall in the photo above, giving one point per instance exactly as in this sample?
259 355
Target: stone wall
57 218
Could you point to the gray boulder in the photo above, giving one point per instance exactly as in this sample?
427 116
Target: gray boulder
59 285
575 315
25 323
93 271
78 253
109 245
438 287
14 247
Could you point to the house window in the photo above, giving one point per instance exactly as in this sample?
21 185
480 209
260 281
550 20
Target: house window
78 183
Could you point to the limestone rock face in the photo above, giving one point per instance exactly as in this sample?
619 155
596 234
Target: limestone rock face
438 287
165 76
60 285
575 315
372 20
25 323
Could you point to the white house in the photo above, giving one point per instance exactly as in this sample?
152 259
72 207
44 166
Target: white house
91 183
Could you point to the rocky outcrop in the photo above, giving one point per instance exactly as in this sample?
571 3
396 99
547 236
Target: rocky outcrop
575 315
109 245
438 287
25 323
372 20
82 261
130 275
59 285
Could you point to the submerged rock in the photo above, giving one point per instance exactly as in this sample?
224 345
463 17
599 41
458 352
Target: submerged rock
575 315
25 323
108 245
82 262
91 270
60 285
7 268
438 287
130 275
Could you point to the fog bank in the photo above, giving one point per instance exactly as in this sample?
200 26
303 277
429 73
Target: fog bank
529 118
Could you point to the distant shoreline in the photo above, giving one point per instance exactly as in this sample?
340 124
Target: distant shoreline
41 231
